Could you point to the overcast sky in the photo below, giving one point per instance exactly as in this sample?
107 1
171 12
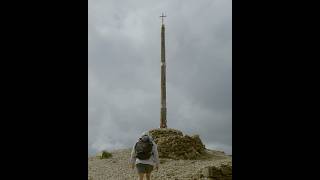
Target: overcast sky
124 70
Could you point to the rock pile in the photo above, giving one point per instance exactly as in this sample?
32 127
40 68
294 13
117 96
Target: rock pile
222 172
174 144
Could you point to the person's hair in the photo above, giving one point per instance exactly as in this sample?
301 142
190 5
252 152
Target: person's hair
146 133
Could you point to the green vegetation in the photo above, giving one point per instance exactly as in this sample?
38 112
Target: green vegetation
105 155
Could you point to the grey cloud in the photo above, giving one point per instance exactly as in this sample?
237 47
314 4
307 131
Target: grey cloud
124 70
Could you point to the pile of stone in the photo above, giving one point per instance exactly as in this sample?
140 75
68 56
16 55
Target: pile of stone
223 172
174 144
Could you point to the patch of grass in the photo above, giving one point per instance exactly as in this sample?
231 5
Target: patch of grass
105 155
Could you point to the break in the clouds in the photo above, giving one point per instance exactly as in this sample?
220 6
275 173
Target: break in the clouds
124 70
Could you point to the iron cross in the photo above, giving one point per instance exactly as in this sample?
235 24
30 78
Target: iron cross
162 16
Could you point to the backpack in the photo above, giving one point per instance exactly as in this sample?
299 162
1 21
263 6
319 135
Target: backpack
143 148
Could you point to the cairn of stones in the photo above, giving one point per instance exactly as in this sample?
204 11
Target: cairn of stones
173 144
222 172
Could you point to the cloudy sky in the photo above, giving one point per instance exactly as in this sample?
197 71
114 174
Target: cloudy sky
124 70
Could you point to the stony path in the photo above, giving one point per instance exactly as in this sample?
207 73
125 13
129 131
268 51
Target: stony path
117 167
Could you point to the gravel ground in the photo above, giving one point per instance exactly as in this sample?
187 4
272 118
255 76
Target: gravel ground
117 167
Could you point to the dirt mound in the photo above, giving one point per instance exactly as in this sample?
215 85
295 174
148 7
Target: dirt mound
174 144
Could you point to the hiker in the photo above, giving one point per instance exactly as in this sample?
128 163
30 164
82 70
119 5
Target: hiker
144 156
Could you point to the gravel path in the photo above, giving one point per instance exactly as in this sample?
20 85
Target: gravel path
117 167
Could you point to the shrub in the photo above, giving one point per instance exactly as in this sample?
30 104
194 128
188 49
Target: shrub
105 155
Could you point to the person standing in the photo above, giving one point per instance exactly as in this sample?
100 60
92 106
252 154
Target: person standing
144 156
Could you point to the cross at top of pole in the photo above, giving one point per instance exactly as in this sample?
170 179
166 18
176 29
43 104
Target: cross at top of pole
162 16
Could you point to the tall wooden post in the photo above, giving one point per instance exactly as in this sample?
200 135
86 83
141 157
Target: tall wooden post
163 111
